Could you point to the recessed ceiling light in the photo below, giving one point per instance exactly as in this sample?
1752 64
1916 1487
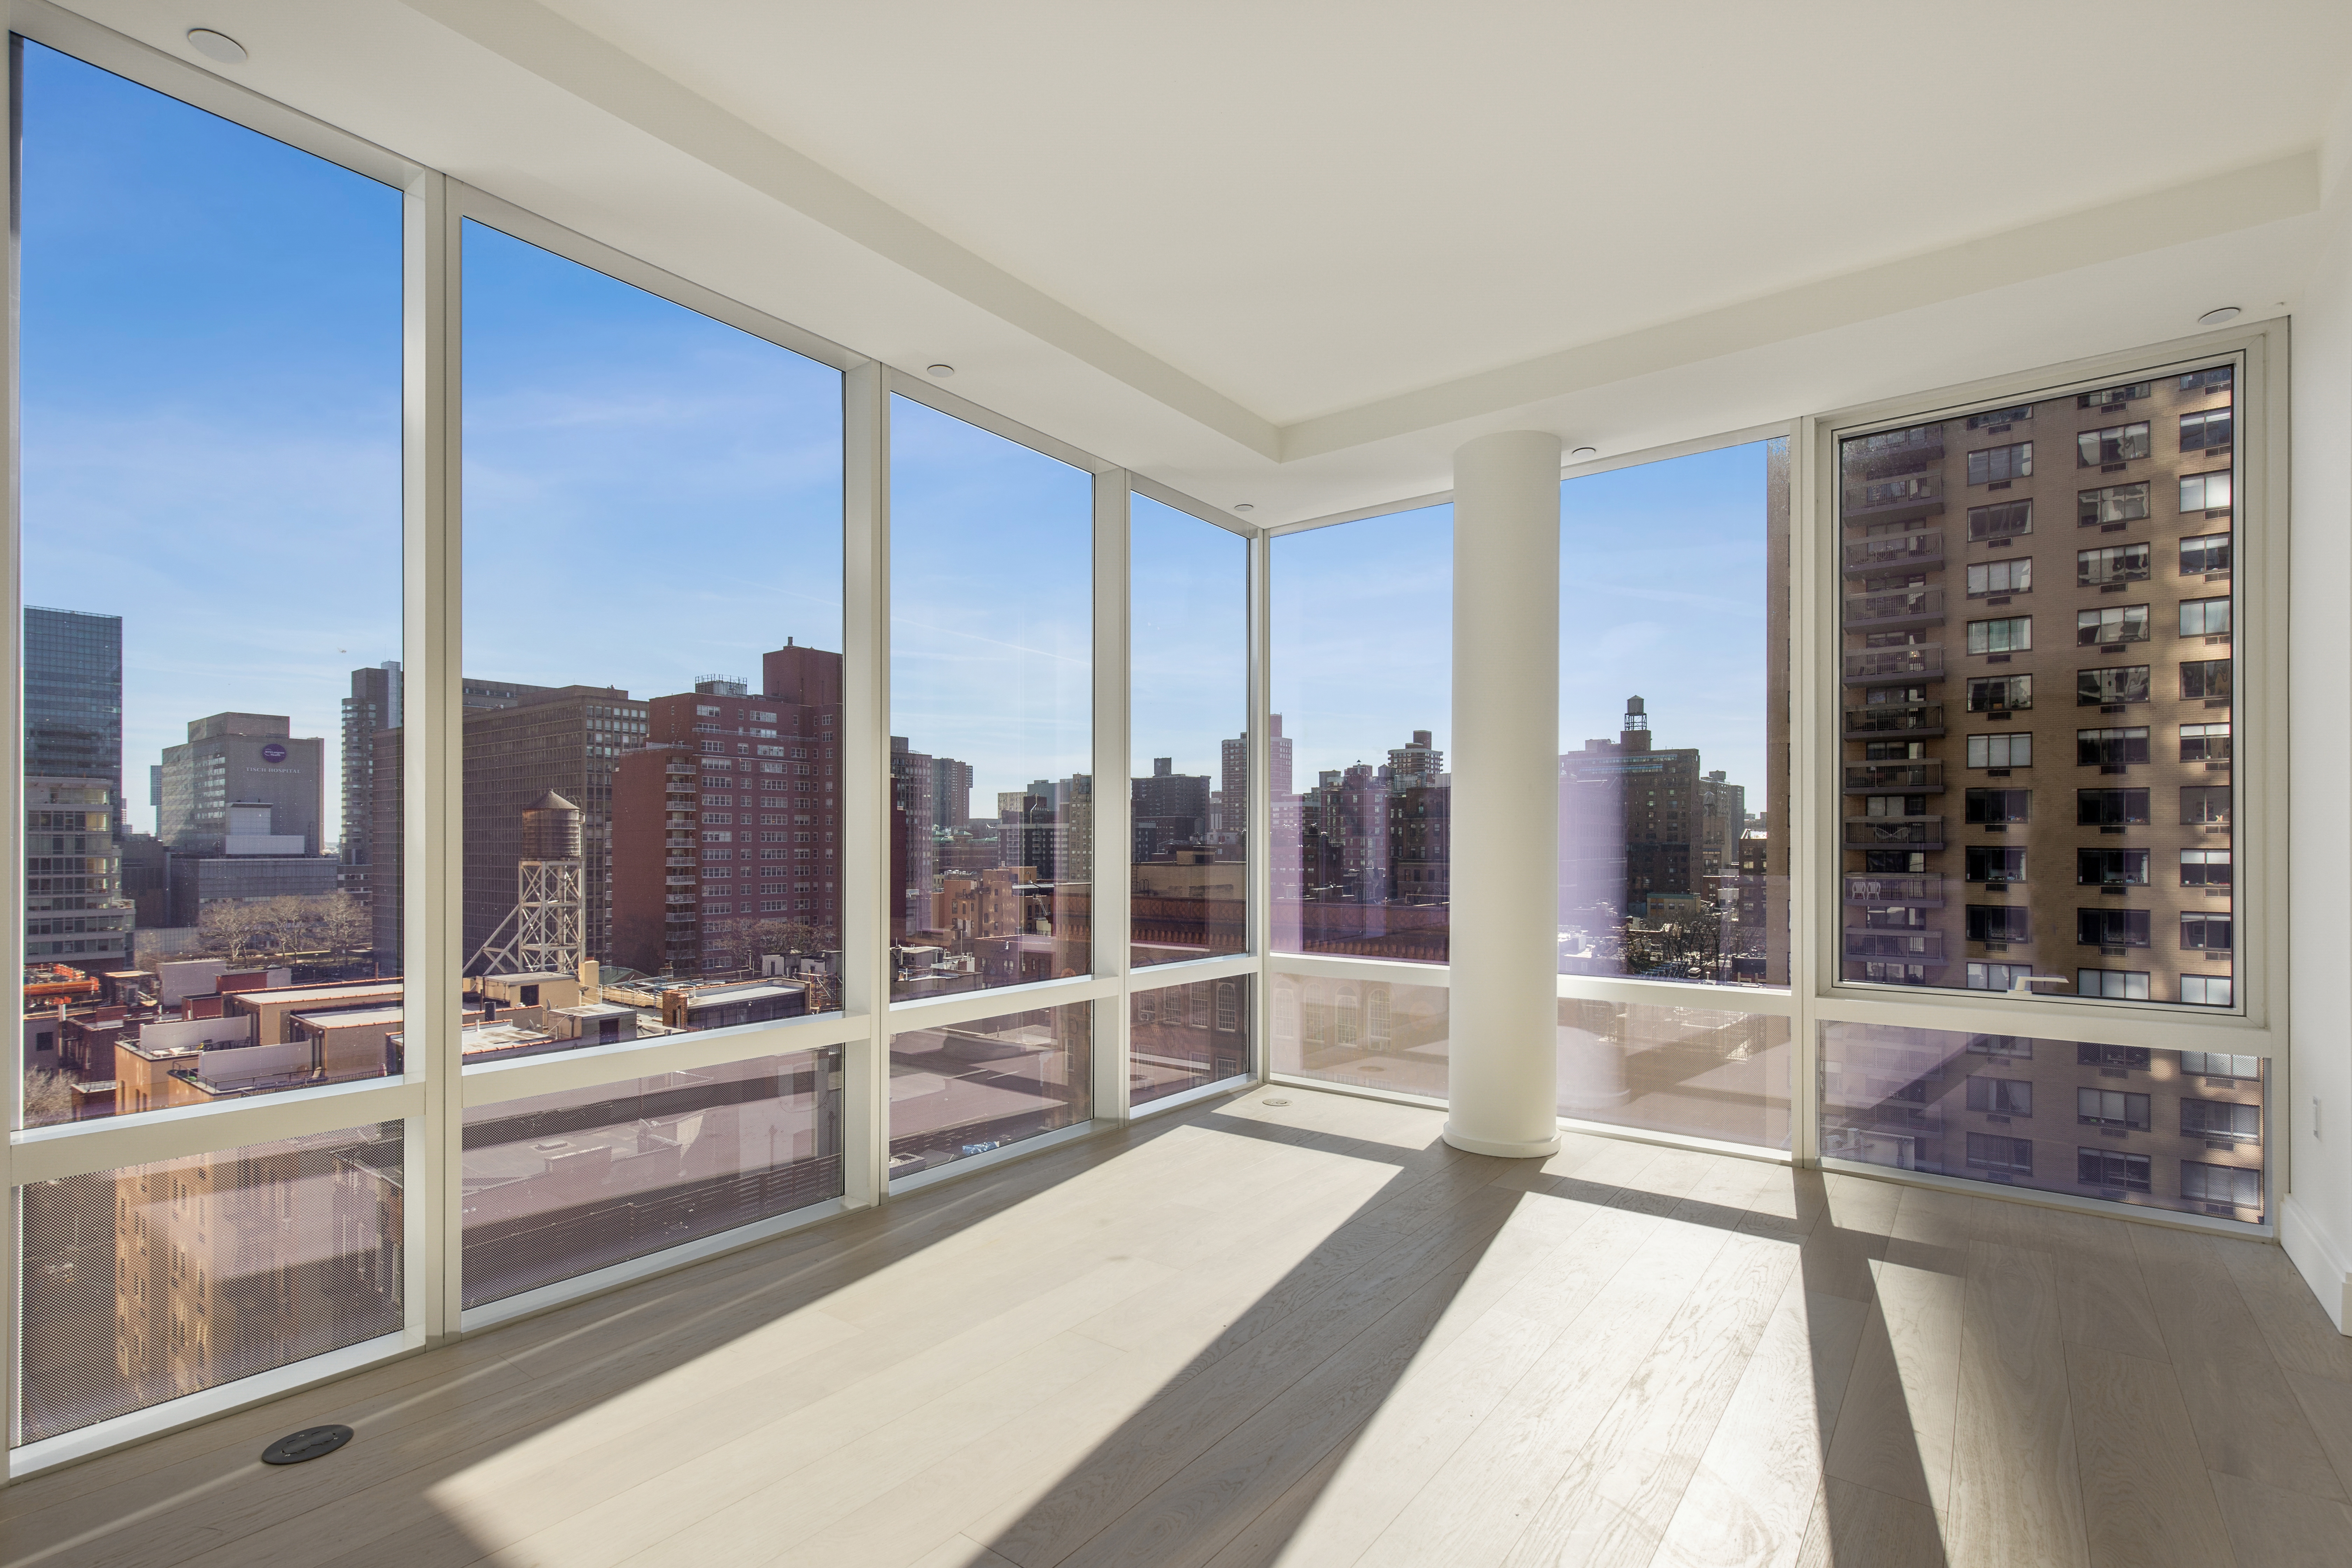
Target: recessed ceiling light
941 371
216 45
1245 506
1583 452
2215 318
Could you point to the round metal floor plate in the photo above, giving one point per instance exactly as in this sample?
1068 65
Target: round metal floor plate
306 1444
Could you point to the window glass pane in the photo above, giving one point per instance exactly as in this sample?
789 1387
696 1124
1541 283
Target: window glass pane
563 1184
1363 671
2139 734
969 1089
1690 1070
1183 1037
211 513
147 1282
1674 715
991 709
1188 723
651 837
2130 1125
1371 1033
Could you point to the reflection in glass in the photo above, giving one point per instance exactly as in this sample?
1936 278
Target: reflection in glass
562 1185
1182 1037
211 511
1673 840
2133 751
1371 1033
1189 728
650 847
148 1282
2130 1124
991 660
1688 1070
1361 669
963 1089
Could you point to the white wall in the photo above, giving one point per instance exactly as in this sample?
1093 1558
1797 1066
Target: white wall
2316 1221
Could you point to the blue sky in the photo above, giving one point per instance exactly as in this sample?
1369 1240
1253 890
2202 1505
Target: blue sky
212 451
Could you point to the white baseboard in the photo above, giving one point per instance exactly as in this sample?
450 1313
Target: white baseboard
2321 1263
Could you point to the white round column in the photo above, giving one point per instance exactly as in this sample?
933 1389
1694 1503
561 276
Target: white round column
1503 1059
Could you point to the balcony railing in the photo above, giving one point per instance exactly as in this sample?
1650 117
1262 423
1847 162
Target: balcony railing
1904 946
1895 499
1892 451
1908 607
1920 719
1894 550
1881 778
1916 661
1902 832
1892 893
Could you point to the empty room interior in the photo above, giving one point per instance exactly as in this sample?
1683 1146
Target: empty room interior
587 573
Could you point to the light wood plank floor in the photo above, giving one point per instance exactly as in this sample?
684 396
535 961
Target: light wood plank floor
1311 1333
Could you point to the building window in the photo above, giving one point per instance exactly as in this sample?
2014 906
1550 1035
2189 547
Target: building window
2205 492
2205 617
2001 1095
2111 624
2205 803
2111 928
2116 504
2109 687
1999 419
2011 633
2010 749
2000 693
2016 1047
1990 1152
1997 922
2131 1058
2110 807
2206 553
1998 804
2204 742
2111 1108
2206 677
2112 1169
2111 748
2111 867
2115 397
2115 984
1999 465
2203 432
2002 519
2015 576
2207 990
2232 1184
2205 868
1996 977
2112 563
1228 1006
2202 382
2116 444
2221 1119
2215 1063
1994 864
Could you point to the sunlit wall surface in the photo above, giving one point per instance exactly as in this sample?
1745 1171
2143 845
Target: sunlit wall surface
1369 1034
1674 719
653 668
211 518
1188 724
2038 669
2170 1129
1186 1036
992 661
1362 699
152 1281
562 1185
1694 1071
970 1089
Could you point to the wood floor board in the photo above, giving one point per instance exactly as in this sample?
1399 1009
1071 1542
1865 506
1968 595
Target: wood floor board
2274 1528
2294 1326
1855 1527
2016 1496
1894 1424
2147 1499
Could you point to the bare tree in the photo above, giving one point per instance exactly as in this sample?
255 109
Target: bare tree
342 923
48 1097
235 928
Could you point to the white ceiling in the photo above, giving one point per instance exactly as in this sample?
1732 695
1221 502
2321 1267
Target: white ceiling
1294 253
